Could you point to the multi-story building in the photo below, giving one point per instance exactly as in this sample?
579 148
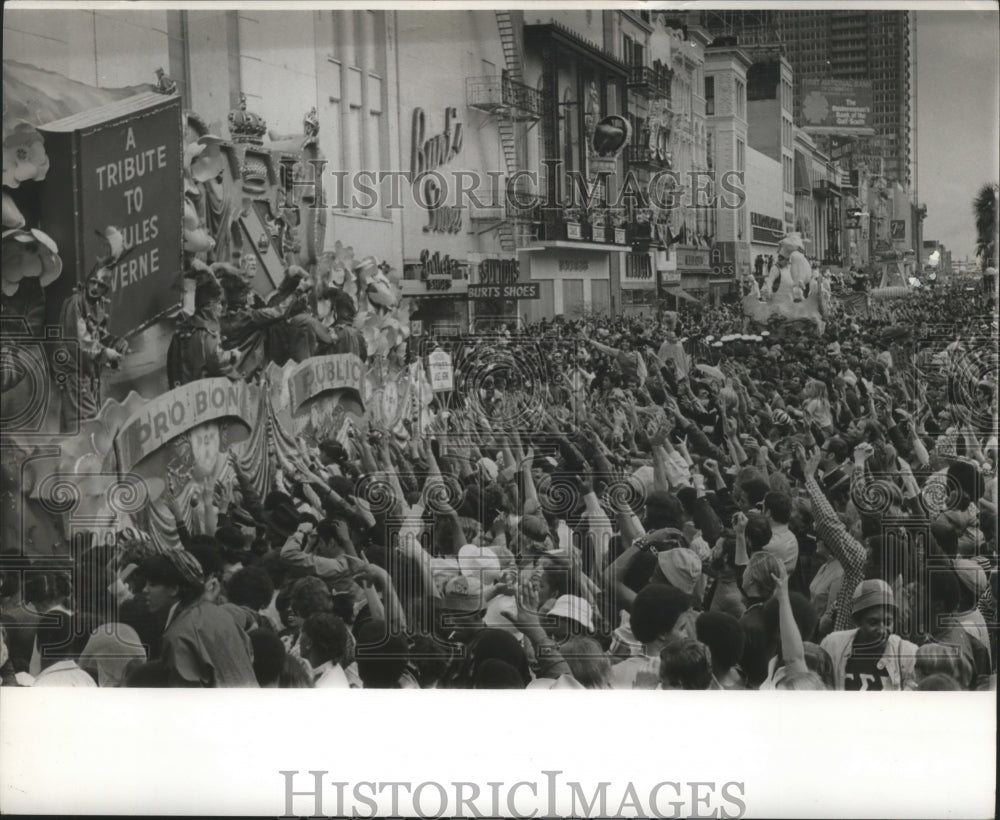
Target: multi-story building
770 128
845 45
577 258
689 227
647 51
817 201
726 66
463 119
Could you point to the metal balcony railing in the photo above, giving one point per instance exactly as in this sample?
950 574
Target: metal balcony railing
500 94
650 80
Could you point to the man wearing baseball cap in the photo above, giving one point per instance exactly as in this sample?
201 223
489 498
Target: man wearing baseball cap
870 658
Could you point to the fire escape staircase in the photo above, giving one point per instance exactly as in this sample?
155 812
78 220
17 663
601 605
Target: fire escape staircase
511 103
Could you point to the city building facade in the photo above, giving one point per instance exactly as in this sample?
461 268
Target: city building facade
726 67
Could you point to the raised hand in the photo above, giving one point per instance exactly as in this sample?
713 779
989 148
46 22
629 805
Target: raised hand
863 452
172 501
780 583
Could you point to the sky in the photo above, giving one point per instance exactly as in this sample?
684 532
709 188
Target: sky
958 119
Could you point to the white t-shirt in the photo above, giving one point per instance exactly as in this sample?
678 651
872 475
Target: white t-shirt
784 546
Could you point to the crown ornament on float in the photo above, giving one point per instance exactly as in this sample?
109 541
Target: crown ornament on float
245 127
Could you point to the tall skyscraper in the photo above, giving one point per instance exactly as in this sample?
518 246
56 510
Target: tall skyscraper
842 45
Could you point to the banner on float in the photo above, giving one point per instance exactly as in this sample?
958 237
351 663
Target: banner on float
177 411
188 439
316 398
322 374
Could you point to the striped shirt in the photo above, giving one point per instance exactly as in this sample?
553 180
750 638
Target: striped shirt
851 554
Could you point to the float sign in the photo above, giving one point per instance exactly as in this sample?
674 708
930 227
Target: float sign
119 167
441 371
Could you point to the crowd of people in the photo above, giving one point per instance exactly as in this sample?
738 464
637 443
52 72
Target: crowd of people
682 501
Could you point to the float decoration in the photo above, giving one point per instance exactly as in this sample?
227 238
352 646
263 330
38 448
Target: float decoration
317 399
793 293
301 208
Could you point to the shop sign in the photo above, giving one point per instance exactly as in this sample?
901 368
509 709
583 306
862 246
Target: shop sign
441 371
620 236
438 272
723 259
670 277
693 259
520 290
574 265
123 175
499 271
764 228
498 280
430 153
573 230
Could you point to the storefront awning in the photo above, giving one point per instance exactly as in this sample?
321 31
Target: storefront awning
569 39
39 97
680 293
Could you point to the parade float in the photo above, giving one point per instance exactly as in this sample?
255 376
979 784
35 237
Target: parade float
792 293
126 182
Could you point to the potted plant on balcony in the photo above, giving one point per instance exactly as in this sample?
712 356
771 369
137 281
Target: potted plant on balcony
618 231
573 217
599 221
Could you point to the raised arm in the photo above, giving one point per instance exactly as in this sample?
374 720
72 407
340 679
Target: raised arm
851 554
793 653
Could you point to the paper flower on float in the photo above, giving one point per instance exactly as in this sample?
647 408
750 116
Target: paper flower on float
196 238
28 255
375 284
333 271
12 216
204 158
24 157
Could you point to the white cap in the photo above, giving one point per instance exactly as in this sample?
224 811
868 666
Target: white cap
574 608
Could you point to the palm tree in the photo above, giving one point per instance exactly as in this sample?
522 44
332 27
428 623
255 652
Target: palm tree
984 206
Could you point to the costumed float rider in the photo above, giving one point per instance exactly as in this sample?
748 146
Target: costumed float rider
255 330
84 321
337 333
196 350
791 269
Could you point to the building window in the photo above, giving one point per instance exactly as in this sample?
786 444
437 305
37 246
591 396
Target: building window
741 99
358 100
628 51
709 96
741 156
